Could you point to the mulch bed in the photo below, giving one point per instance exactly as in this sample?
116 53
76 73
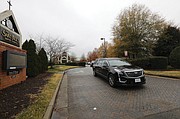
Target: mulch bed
18 97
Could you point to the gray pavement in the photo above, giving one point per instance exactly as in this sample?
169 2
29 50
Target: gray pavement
60 110
83 96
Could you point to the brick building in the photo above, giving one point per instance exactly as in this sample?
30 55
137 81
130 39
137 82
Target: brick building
12 57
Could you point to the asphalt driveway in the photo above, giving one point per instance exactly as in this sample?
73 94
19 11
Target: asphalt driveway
90 97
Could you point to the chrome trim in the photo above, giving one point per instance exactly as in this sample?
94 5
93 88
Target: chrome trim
122 81
142 74
134 77
133 70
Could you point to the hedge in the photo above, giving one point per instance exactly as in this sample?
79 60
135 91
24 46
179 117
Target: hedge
143 62
174 58
76 64
156 62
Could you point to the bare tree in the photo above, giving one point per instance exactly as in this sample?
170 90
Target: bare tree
73 57
55 46
51 47
39 40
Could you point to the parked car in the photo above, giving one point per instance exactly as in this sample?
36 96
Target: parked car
118 71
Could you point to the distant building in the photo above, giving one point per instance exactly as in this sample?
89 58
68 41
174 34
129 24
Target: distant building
64 58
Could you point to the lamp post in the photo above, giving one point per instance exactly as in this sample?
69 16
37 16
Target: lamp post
104 51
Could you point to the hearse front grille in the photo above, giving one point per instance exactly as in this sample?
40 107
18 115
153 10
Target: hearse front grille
134 73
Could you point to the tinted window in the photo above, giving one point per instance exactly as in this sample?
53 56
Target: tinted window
95 62
100 62
105 63
117 62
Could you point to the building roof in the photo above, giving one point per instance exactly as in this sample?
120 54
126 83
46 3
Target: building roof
9 13
6 16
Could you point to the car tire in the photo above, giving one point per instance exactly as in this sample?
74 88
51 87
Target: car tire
111 80
94 73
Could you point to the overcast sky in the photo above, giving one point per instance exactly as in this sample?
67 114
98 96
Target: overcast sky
81 22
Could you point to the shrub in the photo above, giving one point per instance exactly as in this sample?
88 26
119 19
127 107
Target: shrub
157 62
71 64
32 58
76 64
82 64
43 60
174 58
143 62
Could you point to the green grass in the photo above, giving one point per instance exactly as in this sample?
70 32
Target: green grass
38 108
169 73
59 68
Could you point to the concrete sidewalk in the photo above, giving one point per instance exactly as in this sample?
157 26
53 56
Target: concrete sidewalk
60 110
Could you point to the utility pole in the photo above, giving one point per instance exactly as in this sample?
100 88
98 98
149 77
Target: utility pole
9 2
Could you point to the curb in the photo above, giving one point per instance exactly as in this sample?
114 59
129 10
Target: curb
158 76
50 107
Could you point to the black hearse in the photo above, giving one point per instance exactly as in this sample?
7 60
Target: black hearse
118 71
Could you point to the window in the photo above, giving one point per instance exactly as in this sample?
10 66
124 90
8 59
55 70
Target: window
105 63
117 62
9 23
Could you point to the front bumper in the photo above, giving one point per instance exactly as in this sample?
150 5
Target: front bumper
132 81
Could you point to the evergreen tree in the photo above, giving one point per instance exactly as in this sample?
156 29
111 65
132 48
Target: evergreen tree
43 60
168 40
32 58
25 45
174 58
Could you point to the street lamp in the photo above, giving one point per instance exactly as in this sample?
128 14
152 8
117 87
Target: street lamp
104 52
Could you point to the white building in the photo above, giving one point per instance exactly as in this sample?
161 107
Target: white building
64 58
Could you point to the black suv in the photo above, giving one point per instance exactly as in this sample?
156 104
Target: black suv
118 71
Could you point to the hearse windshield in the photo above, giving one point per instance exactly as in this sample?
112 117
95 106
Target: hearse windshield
117 62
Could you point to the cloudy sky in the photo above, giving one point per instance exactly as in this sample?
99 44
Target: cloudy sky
81 22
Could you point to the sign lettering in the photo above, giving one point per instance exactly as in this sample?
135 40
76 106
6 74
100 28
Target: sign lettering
8 37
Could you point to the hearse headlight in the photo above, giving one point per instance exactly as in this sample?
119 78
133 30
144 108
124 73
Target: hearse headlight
119 72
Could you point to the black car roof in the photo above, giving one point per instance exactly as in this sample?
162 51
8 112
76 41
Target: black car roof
108 58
